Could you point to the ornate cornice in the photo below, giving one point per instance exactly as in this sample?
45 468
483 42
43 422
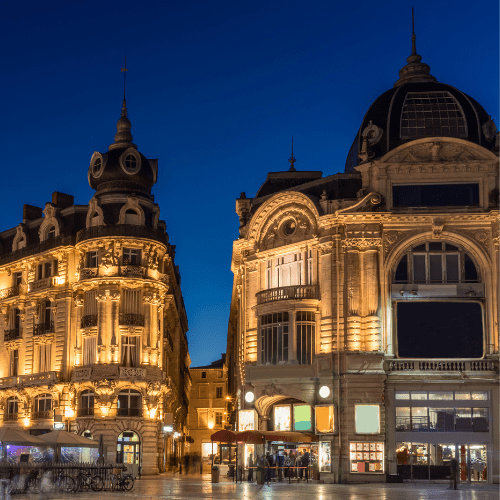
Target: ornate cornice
361 243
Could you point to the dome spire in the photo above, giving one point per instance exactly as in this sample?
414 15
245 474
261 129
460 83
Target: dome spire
123 137
414 71
292 160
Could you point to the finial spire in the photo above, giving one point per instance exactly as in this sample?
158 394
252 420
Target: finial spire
292 160
124 71
413 36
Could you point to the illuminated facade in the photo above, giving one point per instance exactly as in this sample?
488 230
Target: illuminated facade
371 296
208 408
94 326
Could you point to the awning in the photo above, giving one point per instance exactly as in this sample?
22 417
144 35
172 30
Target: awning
224 436
260 437
17 437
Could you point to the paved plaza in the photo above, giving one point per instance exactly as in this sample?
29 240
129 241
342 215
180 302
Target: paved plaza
170 486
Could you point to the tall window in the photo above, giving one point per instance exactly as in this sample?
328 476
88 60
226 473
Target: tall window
92 258
18 278
130 351
218 418
43 403
274 338
89 317
15 318
12 407
51 233
219 392
87 404
289 270
131 257
305 326
89 350
47 269
435 262
131 310
43 352
14 363
129 403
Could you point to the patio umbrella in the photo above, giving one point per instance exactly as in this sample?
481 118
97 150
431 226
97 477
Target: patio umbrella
65 439
19 438
101 450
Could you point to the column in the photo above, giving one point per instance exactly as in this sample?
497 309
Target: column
79 340
292 341
101 298
353 299
146 332
113 354
371 321
153 328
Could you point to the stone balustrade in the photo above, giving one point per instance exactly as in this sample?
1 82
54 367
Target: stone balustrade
444 365
295 292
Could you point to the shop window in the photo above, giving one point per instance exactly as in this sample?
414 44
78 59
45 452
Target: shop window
246 420
419 418
324 419
129 403
128 448
367 457
325 456
282 418
367 419
305 326
302 420
403 419
274 338
463 419
480 421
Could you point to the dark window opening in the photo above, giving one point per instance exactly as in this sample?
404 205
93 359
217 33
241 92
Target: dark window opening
439 329
435 195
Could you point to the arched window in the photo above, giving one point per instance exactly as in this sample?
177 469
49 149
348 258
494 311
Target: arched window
43 406
128 447
87 434
435 262
51 233
132 217
12 408
86 404
129 403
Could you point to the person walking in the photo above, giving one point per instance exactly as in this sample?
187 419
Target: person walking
250 468
305 463
453 474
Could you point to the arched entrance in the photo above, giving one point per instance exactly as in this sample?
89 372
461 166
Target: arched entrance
128 447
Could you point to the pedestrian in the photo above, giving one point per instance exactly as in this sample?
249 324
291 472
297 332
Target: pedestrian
299 465
187 461
250 468
269 464
305 463
453 473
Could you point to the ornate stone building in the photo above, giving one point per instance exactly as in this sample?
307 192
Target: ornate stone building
94 325
365 304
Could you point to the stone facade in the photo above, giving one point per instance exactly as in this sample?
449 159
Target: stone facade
92 315
326 273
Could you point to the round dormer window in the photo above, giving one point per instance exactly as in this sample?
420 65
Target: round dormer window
97 164
96 167
289 227
130 161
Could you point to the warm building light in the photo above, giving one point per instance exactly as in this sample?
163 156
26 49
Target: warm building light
152 413
228 398
249 397
69 413
60 280
104 410
324 391
210 425
26 422
177 435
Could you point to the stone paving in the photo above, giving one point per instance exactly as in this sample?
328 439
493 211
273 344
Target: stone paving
175 487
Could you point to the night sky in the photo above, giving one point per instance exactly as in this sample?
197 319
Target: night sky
215 90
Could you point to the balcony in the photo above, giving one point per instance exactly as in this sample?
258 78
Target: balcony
43 328
129 412
296 292
85 412
39 415
88 321
45 378
133 231
88 272
444 365
12 291
111 371
128 319
13 334
9 417
41 284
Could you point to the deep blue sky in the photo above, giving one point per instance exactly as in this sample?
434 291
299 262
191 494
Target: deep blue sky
215 89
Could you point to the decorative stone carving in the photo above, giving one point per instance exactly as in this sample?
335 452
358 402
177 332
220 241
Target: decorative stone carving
154 389
151 256
104 387
361 243
109 258
95 210
437 228
114 295
361 206
325 248
20 239
271 390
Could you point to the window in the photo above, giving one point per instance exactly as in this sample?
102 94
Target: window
435 114
87 434
367 419
218 418
18 278
305 326
15 319
435 195
14 363
289 270
131 310
220 374
219 392
89 317
130 351
435 262
51 233
92 258
47 270
203 419
43 403
130 163
96 167
87 404
131 257
132 217
128 448
43 355
282 418
129 403
324 419
12 407
302 418
89 350
274 338
203 374
418 419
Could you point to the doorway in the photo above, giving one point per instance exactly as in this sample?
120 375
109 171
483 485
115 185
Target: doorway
472 462
128 447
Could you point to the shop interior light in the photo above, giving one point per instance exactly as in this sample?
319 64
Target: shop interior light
168 428
249 397
210 425
324 391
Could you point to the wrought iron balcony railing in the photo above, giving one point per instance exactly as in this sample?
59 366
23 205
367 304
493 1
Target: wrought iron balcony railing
122 230
85 412
38 415
295 292
9 292
88 272
11 416
43 328
88 321
12 334
131 319
129 412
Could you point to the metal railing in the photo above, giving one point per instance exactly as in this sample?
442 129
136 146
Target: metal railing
13 334
288 292
129 412
85 412
88 321
43 328
88 272
129 319
39 415
443 365
12 291
10 416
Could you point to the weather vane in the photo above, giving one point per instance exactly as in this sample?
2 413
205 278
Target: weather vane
292 160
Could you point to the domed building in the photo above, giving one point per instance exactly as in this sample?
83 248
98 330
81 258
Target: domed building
365 304
93 317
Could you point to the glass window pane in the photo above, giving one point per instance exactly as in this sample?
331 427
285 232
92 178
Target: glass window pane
402 395
480 396
419 268
418 395
480 420
436 268
403 421
463 419
282 418
419 418
442 419
462 395
443 395
451 268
